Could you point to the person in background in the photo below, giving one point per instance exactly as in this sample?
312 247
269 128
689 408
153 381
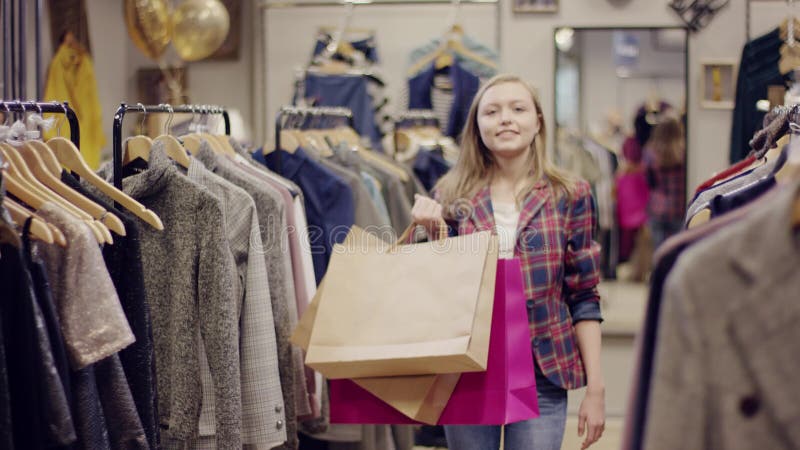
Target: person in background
545 217
665 155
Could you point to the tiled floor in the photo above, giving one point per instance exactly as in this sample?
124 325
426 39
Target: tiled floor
623 305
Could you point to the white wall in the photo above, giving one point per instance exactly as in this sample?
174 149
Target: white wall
527 49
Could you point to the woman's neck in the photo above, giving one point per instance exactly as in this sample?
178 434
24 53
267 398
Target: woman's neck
508 177
510 170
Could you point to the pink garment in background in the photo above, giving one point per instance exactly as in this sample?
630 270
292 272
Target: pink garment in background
632 197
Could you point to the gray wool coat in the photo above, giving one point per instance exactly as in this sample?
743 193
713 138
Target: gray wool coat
189 276
727 338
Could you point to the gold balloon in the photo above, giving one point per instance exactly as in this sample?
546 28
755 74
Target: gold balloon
148 25
199 27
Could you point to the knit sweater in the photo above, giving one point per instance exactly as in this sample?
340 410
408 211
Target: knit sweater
189 276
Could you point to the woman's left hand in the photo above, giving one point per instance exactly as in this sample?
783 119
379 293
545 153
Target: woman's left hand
592 417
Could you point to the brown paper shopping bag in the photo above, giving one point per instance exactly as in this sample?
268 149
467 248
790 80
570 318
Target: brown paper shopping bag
410 310
421 398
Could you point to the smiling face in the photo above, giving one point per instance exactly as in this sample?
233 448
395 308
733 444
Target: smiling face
507 119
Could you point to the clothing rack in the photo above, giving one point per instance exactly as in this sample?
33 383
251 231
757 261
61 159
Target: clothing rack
16 106
419 117
287 112
159 109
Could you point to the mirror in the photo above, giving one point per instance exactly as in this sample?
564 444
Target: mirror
620 101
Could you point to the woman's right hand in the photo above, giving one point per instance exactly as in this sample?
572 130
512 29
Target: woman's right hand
428 213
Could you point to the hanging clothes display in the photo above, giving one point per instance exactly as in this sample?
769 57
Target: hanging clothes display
759 68
418 143
444 76
350 91
683 392
124 262
205 266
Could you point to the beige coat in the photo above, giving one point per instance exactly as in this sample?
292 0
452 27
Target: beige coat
726 368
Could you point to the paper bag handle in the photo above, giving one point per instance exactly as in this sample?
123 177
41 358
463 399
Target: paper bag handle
407 233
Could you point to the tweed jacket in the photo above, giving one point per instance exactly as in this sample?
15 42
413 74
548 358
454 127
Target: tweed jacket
726 358
189 275
560 264
262 401
269 212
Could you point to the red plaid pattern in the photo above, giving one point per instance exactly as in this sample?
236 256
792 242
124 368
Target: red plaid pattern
668 195
560 261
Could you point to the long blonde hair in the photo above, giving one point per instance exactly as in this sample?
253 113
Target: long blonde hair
472 170
666 141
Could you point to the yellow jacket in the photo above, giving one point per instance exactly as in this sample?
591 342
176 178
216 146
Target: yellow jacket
71 78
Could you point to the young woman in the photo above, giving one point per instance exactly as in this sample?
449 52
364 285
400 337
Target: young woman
503 181
666 175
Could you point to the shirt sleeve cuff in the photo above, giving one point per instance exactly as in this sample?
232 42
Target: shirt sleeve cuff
588 310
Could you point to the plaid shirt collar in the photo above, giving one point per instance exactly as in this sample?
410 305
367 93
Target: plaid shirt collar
483 215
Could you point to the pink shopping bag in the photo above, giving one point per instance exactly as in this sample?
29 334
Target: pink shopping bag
504 393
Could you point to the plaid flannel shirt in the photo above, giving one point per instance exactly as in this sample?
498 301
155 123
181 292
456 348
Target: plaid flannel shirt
560 263
668 194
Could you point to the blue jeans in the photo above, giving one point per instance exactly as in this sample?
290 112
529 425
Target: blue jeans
546 432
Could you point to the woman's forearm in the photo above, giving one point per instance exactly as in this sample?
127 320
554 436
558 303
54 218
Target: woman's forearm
589 343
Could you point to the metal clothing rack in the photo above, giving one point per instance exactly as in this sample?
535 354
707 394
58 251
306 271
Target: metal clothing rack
287 112
417 117
16 106
157 109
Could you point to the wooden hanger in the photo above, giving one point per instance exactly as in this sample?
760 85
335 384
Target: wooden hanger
18 165
172 146
790 58
701 217
192 142
451 43
174 150
49 159
136 147
784 28
20 215
400 173
318 142
289 141
224 144
69 157
37 166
